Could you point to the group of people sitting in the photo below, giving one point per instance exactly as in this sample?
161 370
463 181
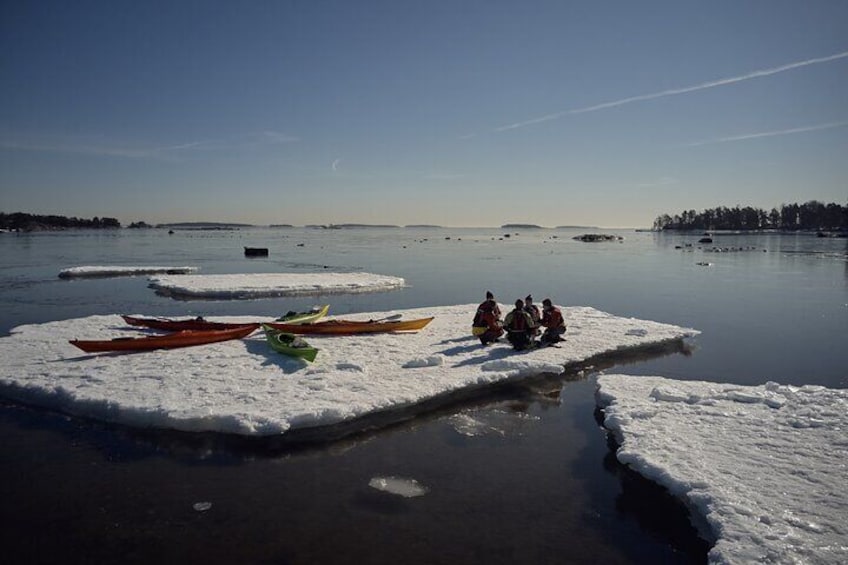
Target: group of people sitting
522 325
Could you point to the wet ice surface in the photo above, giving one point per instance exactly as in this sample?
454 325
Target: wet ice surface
765 466
244 387
258 285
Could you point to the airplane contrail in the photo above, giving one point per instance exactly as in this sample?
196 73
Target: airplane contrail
768 134
676 91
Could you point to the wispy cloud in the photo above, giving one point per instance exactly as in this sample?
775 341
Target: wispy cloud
774 133
439 176
664 181
676 91
335 165
87 145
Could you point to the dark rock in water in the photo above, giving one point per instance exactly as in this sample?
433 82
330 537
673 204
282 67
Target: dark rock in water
255 251
592 237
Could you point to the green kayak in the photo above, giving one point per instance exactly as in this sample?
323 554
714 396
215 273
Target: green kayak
289 344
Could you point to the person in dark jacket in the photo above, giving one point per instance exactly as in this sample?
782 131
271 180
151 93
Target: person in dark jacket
534 312
553 322
487 320
519 326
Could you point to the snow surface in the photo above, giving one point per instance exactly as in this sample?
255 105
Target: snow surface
765 466
273 284
91 271
244 387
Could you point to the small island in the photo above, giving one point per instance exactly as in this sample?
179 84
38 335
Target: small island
812 216
204 226
23 222
595 237
521 227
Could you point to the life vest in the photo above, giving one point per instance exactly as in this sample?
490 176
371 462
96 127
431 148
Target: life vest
518 321
553 318
485 316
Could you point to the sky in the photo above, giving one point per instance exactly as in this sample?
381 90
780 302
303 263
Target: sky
473 113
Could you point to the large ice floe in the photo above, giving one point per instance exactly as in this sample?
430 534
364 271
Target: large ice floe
244 387
96 271
763 468
258 285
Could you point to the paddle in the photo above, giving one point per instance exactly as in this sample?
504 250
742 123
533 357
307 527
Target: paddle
388 318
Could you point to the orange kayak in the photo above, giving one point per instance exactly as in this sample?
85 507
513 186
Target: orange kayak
349 327
184 338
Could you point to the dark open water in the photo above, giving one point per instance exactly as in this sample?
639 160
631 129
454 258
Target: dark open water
538 483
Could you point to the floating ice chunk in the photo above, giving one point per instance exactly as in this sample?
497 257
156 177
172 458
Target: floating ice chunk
258 285
766 484
467 426
120 271
430 361
407 488
238 387
492 422
202 506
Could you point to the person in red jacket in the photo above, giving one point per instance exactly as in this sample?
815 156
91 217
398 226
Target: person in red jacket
553 322
487 320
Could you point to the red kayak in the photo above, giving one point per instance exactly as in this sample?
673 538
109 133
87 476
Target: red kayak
184 338
197 324
171 325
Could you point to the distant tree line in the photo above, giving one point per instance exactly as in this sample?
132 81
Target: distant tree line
812 215
21 221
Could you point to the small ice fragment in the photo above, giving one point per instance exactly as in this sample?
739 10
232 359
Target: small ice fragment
407 488
202 506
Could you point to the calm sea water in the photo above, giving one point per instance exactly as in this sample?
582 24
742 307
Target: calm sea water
538 483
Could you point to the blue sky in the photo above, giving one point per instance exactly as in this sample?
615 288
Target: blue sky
473 113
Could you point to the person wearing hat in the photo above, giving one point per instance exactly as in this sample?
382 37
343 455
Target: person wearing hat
487 320
519 326
553 322
534 312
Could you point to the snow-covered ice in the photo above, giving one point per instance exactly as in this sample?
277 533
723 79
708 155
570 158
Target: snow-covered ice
258 285
244 387
95 271
763 468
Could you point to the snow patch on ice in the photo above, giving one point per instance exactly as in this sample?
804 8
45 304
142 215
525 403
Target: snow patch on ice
763 465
